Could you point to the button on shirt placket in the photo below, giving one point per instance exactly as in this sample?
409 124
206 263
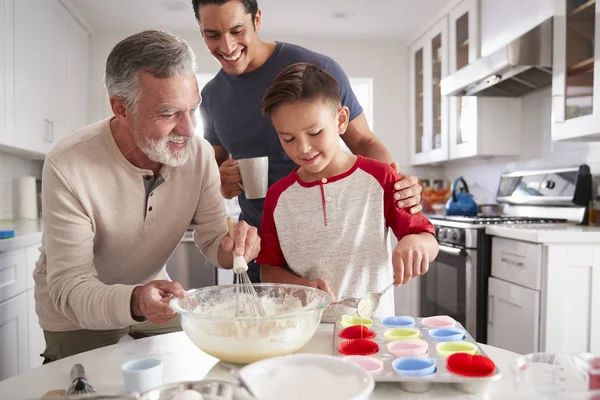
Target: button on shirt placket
151 185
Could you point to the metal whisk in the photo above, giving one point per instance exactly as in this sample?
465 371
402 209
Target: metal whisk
247 302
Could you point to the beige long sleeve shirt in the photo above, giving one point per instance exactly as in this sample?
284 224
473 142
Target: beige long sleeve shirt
103 236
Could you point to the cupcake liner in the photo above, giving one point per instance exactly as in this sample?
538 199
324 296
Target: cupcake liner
358 347
351 320
402 334
439 321
411 366
357 332
446 349
371 364
447 334
401 321
469 365
408 348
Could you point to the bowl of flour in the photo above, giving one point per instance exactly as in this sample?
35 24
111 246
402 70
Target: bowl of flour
208 317
308 377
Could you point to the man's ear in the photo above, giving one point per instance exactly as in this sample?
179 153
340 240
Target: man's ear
257 20
343 119
121 111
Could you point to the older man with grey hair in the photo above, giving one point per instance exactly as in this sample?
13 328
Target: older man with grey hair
119 194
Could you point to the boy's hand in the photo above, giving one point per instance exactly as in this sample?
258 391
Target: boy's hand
410 258
230 177
408 192
321 284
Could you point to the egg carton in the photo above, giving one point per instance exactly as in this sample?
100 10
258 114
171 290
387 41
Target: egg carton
418 384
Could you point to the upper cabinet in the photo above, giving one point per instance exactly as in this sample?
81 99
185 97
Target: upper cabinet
6 72
51 59
576 70
429 109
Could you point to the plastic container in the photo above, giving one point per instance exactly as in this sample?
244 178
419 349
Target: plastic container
402 334
446 349
439 321
408 348
412 366
358 347
350 320
447 334
371 364
7 234
356 332
401 321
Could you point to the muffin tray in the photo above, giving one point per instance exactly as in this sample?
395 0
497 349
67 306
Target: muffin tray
408 363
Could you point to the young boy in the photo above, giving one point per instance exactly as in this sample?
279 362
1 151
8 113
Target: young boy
328 220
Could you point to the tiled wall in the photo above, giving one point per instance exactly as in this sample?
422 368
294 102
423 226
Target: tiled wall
538 151
12 167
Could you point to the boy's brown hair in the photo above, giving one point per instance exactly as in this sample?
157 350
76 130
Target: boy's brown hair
301 81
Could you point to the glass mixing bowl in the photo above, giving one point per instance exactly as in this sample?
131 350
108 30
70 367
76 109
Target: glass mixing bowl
208 318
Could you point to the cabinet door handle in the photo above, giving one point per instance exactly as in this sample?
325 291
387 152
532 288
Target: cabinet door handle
47 132
51 131
512 262
490 317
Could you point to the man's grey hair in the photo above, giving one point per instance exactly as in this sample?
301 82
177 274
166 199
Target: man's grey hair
160 53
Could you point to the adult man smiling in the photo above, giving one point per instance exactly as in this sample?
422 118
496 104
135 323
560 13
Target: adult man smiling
233 122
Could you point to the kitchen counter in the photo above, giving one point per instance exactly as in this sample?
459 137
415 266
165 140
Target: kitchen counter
551 233
27 233
183 361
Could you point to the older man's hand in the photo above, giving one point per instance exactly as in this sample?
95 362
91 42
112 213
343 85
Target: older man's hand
151 301
246 241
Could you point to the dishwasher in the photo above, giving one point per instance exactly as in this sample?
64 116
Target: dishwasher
188 266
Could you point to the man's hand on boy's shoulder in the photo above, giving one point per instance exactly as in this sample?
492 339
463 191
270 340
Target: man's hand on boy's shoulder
408 191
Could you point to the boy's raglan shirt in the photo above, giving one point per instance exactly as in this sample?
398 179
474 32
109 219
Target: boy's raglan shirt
336 228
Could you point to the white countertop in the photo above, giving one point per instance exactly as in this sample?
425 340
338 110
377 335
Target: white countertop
547 233
183 361
27 233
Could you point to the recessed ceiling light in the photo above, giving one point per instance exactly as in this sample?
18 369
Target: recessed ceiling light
173 5
342 14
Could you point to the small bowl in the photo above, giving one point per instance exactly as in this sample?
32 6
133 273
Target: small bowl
357 332
447 334
351 320
468 365
358 347
208 389
401 321
412 366
446 349
273 377
402 334
439 321
371 364
408 348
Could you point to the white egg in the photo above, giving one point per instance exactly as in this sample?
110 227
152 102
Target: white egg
188 395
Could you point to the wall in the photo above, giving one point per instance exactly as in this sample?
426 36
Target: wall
538 151
11 167
383 60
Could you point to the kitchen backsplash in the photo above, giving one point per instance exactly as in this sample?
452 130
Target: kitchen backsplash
538 152
12 167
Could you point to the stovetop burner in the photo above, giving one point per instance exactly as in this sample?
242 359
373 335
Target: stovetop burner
497 219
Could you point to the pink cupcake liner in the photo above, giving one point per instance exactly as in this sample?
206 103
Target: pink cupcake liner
439 321
371 364
408 348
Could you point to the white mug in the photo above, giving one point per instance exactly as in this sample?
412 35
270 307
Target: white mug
142 375
255 176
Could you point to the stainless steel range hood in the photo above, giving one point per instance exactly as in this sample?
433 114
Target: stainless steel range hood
522 66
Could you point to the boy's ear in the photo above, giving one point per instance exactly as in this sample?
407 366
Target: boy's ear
343 118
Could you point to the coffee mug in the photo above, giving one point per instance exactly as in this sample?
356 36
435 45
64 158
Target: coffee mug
255 176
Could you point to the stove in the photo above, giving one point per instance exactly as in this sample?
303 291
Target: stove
457 281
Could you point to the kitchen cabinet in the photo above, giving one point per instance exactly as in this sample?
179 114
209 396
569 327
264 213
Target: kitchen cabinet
542 297
429 109
576 70
6 72
14 356
51 74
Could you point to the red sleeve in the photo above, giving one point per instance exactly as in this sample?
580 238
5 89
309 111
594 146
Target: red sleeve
400 220
270 249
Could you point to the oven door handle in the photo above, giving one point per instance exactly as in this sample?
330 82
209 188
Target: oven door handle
452 250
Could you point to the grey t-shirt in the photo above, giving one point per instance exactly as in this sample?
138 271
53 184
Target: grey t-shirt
231 110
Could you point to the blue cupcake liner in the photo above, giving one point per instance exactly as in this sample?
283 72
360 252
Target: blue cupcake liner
401 321
447 334
414 366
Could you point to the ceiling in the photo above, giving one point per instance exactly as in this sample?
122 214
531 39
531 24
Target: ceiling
391 19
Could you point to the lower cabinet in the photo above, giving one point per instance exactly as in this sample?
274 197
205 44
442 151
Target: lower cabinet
14 354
